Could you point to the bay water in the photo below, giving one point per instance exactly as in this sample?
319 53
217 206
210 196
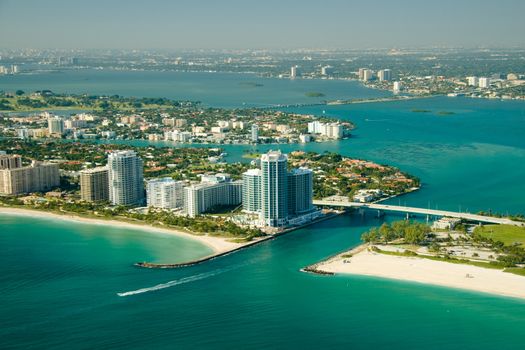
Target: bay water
68 285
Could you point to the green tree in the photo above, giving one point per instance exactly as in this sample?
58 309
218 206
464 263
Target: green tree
414 234
386 232
371 236
399 228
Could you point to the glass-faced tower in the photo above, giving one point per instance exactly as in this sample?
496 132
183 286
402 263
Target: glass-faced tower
274 189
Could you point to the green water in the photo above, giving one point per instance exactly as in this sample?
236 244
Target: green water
59 281
59 286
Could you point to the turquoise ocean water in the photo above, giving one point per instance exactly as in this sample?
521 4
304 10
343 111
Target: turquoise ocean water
59 281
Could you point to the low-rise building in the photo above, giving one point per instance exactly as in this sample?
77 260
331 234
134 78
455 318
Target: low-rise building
445 223
365 196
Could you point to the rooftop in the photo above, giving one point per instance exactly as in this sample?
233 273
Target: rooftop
274 156
94 170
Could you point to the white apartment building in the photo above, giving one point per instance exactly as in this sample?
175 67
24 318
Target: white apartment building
330 130
484 83
384 75
367 75
472 81
126 186
17 179
397 87
55 125
165 193
214 190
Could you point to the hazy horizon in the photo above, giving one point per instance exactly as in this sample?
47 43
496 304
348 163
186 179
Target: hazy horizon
273 25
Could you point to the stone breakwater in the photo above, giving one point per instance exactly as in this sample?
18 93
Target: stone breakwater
315 268
149 265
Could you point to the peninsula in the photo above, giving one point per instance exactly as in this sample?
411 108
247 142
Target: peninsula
486 259
190 192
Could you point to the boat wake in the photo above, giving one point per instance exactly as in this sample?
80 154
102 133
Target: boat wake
193 278
173 283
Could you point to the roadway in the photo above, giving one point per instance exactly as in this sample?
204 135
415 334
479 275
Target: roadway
421 211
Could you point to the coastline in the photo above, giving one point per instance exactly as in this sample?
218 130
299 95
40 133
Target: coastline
219 245
242 246
362 261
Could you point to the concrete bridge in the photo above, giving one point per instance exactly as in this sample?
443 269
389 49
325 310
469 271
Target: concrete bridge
420 211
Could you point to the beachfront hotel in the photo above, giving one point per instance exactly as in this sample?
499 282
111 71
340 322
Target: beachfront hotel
125 173
251 191
279 197
17 179
274 189
94 184
212 191
165 193
300 191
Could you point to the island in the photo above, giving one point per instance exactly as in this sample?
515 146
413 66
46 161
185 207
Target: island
40 115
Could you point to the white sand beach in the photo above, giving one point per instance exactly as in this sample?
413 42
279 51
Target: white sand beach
428 271
218 244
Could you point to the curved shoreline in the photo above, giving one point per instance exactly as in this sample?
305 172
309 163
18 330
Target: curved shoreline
244 245
220 246
217 244
148 265
363 262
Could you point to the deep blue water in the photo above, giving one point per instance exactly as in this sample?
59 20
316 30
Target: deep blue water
60 281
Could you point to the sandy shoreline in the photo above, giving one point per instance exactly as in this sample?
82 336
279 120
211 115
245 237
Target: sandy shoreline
427 271
217 244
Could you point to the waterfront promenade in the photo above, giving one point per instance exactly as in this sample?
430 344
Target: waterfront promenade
420 211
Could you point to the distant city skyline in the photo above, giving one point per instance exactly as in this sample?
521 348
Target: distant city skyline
236 24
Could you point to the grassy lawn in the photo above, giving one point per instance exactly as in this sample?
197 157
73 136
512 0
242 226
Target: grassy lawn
516 270
443 259
251 155
507 234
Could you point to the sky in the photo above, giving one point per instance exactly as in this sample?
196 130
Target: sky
270 24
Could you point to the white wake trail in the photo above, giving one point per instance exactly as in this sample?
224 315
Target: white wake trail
174 283
171 283
190 278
